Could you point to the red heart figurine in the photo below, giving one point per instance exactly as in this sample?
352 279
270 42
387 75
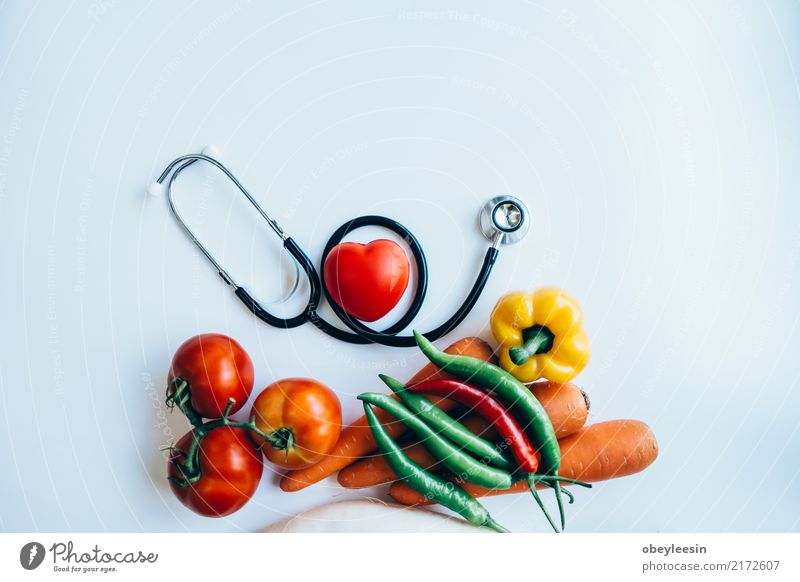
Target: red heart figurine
366 280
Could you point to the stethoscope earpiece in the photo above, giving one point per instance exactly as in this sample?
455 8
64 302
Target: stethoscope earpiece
155 189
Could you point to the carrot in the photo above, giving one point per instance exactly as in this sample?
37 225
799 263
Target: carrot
602 451
566 404
356 440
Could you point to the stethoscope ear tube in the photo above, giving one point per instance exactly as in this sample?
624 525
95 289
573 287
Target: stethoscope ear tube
472 298
265 315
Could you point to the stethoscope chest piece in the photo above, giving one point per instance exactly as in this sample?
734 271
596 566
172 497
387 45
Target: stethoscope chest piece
504 220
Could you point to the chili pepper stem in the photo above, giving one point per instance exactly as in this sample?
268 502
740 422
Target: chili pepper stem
570 496
537 340
532 485
552 478
557 490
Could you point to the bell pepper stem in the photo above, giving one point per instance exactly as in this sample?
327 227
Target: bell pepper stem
537 339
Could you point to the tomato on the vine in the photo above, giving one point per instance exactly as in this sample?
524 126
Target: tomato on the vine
222 476
302 419
206 371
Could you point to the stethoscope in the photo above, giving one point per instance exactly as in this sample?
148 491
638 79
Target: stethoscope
503 220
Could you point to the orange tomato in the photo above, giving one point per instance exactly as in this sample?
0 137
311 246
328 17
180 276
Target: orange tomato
301 417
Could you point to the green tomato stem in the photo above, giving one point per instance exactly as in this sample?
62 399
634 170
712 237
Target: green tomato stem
190 467
180 395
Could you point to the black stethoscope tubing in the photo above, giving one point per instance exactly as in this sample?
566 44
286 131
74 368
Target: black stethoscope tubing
358 332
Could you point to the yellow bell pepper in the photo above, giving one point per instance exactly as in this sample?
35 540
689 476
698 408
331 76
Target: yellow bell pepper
541 335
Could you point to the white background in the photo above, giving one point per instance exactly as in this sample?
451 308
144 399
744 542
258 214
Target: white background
656 145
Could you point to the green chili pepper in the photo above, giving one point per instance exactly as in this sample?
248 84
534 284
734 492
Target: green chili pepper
435 488
517 398
457 461
529 412
450 428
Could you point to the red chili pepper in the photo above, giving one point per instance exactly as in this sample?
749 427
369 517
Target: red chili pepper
490 409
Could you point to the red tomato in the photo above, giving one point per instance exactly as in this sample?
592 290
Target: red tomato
302 418
368 280
230 469
215 368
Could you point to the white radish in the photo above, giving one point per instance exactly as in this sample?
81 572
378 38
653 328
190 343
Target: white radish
371 516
